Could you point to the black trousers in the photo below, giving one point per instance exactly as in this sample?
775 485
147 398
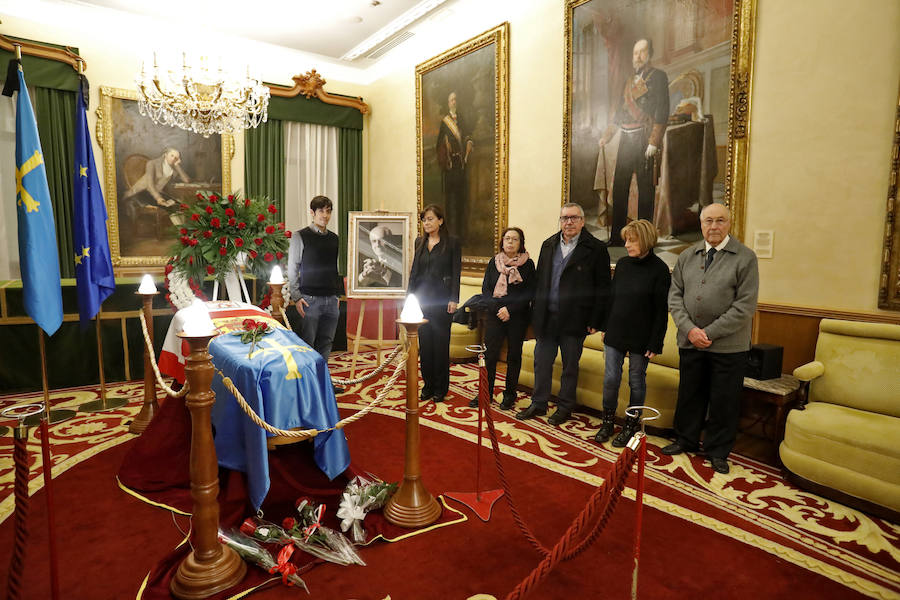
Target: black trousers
709 391
631 160
496 331
434 349
545 349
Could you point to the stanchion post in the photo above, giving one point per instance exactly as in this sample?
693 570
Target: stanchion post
412 505
210 568
150 406
104 403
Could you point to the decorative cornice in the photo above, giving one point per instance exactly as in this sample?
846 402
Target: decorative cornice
31 49
312 84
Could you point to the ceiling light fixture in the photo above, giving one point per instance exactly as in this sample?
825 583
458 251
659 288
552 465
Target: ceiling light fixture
414 14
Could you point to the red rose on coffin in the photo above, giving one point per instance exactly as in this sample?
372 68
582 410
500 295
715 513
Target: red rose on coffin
229 212
209 269
195 217
239 242
223 250
223 240
199 196
231 222
215 222
268 257
260 218
281 226
230 198
288 233
194 242
207 234
270 229
209 210
184 206
183 231
279 255
258 241
242 225
169 268
248 324
272 209
253 254
185 241
213 198
247 202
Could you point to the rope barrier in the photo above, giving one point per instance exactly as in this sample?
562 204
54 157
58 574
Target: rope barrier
303 434
20 519
390 358
152 353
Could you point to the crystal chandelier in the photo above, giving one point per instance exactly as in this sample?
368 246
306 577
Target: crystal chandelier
202 100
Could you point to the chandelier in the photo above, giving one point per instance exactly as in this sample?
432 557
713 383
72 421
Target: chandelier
200 100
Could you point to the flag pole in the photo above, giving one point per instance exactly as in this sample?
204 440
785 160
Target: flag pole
48 474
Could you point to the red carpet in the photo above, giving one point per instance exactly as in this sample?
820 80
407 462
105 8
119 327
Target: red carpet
738 537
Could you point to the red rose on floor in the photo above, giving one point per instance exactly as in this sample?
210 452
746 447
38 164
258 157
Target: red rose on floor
289 523
288 233
279 255
183 231
215 222
223 250
194 242
195 217
238 242
260 218
257 241
268 257
209 210
207 234
242 225
272 209
229 212
270 229
253 254
231 222
247 527
210 269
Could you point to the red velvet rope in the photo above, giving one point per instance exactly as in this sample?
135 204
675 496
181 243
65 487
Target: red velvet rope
639 506
20 520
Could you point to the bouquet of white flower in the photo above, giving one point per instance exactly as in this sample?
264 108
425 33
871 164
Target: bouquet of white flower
361 496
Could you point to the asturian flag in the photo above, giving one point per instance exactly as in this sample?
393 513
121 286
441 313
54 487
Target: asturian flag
37 233
93 266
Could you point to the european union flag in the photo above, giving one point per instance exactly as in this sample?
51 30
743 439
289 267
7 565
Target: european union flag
37 234
93 266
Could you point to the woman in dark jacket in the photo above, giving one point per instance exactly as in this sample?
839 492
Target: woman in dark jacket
509 283
636 325
434 279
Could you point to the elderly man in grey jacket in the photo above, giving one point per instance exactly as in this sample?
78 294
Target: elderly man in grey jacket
712 299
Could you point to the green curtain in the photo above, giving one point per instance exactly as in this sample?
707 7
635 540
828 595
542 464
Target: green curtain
55 114
264 162
43 72
313 110
349 185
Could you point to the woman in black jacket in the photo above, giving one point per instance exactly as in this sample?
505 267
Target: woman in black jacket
434 279
636 325
509 283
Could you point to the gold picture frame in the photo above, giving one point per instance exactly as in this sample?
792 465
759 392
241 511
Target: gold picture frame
141 229
681 43
462 178
379 253
889 282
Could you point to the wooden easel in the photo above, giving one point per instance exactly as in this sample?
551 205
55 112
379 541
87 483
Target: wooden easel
359 324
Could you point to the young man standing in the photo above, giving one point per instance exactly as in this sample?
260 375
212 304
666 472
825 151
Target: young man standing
314 280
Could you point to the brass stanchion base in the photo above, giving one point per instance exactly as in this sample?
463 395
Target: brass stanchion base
195 580
103 405
57 415
412 506
143 418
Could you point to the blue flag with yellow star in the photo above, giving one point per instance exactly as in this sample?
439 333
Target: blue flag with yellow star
93 266
37 233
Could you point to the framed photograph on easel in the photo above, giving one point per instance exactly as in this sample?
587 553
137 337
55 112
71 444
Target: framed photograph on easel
379 254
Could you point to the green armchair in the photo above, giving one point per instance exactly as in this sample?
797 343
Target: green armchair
844 440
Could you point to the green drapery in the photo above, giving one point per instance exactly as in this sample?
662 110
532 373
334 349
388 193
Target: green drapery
43 72
55 115
313 110
349 185
264 162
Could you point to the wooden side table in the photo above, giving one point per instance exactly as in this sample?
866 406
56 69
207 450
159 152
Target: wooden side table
782 395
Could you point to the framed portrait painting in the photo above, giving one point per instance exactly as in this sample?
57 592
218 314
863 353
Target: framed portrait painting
657 105
461 141
380 253
149 170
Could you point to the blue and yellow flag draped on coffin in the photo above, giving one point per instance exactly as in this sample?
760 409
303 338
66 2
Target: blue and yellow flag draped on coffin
38 257
288 385
93 266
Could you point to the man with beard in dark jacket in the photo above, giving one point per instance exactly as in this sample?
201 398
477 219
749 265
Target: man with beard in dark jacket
573 285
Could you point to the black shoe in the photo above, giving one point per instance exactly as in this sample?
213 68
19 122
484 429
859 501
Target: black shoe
338 389
673 449
608 428
425 395
720 465
559 417
439 398
473 403
531 412
628 430
508 402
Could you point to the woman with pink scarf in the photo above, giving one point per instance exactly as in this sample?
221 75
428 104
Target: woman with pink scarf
509 282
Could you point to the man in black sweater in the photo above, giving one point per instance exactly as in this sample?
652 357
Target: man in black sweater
314 280
570 302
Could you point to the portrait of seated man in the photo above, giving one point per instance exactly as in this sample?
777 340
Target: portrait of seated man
381 260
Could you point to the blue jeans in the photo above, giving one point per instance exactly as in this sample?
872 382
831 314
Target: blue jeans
637 377
318 326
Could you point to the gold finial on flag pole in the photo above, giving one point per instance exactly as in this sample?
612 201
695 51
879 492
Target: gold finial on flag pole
18 48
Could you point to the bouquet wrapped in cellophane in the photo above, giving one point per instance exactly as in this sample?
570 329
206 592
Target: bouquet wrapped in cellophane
361 496
249 550
309 535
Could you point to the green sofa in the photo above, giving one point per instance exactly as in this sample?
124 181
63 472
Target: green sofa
844 437
662 377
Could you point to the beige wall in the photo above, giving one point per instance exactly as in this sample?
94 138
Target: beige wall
824 98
